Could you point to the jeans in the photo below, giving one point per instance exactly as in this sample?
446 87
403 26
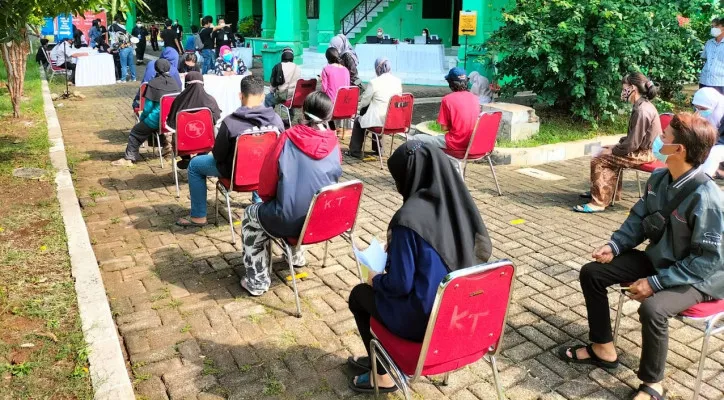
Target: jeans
654 312
435 140
126 55
200 168
208 55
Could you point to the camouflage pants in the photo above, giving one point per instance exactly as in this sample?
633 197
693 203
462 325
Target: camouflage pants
256 242
604 173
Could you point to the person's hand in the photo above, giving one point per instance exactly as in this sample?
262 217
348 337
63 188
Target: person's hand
603 254
640 290
370 276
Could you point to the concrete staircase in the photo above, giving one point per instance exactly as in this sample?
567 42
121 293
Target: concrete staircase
377 10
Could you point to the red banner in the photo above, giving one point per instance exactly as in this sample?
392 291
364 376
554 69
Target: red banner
84 24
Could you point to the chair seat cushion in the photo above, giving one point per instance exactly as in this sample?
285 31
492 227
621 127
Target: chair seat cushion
705 310
650 166
460 154
404 352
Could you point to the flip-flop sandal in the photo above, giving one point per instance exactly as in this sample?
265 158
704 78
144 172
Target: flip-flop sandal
585 195
364 385
586 209
362 363
186 222
650 391
592 359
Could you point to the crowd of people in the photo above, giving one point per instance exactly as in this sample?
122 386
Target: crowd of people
438 228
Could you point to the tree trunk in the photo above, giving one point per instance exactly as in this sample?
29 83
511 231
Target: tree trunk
15 57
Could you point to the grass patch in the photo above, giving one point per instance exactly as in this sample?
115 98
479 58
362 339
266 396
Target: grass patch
273 386
37 296
435 127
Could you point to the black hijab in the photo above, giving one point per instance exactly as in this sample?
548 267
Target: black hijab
193 96
163 83
437 205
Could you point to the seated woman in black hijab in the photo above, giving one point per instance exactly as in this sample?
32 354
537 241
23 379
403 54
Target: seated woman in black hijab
193 96
437 230
149 120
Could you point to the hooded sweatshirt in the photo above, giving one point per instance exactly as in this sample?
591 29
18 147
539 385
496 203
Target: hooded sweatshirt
241 120
303 161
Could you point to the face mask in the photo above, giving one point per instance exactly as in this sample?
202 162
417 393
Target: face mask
626 93
228 57
715 32
139 25
704 113
656 148
424 34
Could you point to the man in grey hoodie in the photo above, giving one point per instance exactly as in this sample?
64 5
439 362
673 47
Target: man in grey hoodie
251 114
683 268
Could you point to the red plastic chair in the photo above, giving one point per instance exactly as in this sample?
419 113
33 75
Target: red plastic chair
250 151
482 144
648 167
301 90
141 100
166 101
194 134
467 322
709 312
52 68
397 120
345 105
332 213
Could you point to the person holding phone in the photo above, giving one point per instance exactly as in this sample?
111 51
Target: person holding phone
681 265
223 36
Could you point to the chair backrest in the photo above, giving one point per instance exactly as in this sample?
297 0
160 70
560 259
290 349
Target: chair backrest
142 95
302 89
470 307
345 105
332 212
166 101
194 131
251 149
399 113
665 120
482 141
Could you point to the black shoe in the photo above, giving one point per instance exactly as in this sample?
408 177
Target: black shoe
183 164
354 154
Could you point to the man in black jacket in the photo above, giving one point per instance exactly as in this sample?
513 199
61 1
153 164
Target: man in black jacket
223 36
140 32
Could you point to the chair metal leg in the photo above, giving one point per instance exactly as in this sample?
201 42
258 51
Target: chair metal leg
289 114
359 266
638 182
397 376
702 360
231 220
445 378
615 187
496 378
495 177
373 364
617 321
158 142
288 250
175 176
326 251
216 206
379 150
392 143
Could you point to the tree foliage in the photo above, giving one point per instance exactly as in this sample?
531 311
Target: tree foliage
573 54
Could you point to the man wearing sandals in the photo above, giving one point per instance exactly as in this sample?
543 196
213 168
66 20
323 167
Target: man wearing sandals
683 263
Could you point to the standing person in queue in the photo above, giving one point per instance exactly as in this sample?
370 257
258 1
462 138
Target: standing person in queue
222 36
140 32
154 37
170 38
712 75
681 265
437 230
632 150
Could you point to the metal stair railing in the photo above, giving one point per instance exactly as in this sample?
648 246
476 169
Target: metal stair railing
358 14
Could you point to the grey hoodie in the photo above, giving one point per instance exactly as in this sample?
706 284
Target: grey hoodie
691 251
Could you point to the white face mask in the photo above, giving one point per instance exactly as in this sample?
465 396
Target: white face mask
424 34
715 32
139 25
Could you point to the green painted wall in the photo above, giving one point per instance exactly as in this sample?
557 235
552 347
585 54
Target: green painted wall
400 23
313 42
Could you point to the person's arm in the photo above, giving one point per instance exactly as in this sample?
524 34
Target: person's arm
151 112
367 95
269 177
222 143
178 45
443 117
325 79
401 264
707 252
631 233
637 128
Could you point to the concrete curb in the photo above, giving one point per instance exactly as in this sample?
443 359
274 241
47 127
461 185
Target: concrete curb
551 152
107 364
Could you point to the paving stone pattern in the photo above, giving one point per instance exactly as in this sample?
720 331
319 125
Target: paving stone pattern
190 332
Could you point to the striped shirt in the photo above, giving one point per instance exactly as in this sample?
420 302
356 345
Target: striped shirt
713 72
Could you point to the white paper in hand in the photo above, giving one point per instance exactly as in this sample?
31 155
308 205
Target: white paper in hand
374 257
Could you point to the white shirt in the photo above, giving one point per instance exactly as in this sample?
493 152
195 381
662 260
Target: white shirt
58 56
377 96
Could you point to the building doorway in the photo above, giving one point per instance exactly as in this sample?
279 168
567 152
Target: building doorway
231 13
457 7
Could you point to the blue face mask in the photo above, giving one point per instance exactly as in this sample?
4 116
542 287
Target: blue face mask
228 57
656 148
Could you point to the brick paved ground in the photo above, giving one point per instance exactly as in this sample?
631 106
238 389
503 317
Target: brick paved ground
190 331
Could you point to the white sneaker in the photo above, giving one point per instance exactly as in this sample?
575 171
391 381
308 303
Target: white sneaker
122 163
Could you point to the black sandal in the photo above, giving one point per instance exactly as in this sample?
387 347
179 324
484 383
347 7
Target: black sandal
364 385
592 359
650 391
361 363
585 195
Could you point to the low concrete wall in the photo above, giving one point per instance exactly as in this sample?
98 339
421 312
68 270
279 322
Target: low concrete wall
551 152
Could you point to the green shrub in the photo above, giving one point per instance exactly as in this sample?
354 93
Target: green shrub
573 54
248 27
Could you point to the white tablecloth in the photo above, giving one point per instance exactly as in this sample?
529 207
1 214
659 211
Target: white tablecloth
403 57
95 70
245 54
225 89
